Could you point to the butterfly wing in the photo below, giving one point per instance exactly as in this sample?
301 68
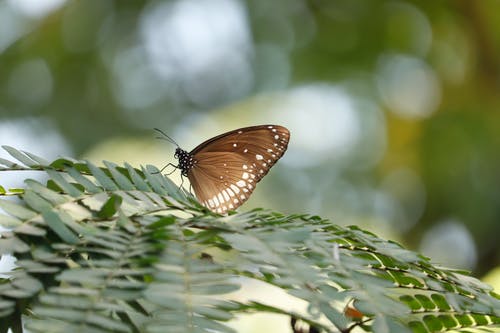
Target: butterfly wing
227 167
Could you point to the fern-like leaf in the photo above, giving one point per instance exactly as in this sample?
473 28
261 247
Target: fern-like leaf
120 249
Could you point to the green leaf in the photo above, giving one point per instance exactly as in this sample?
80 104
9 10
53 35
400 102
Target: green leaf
12 245
433 323
32 266
137 179
162 222
426 302
36 202
29 229
119 178
2 190
17 210
7 163
82 167
102 178
215 288
110 207
16 190
464 319
63 183
45 193
384 324
21 157
28 284
61 163
52 185
412 303
37 159
57 225
171 187
335 316
447 321
441 302
5 304
82 180
85 322
154 179
9 221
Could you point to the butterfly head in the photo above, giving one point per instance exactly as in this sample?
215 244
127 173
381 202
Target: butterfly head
186 160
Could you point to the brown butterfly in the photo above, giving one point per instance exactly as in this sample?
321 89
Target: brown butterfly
224 170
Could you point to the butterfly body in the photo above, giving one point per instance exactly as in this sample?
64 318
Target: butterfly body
186 161
224 170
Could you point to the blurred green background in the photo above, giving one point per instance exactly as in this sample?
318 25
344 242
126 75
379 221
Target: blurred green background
393 106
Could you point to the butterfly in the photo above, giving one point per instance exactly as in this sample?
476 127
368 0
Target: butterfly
224 170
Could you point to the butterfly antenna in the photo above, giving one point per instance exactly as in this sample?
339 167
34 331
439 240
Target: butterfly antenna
165 137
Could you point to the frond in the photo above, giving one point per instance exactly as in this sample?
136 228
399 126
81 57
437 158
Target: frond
120 249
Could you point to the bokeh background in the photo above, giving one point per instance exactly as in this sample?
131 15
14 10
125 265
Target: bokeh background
393 106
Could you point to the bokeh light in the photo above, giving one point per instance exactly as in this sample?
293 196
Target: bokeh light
188 42
392 105
408 86
453 236
36 8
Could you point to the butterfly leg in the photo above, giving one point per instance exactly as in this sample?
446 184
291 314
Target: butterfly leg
166 166
182 182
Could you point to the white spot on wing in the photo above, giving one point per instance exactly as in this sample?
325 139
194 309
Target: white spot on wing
245 175
258 157
235 189
241 183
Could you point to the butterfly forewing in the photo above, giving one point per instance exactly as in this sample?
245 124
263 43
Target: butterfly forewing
227 167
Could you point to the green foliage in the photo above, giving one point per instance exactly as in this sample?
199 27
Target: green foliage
117 249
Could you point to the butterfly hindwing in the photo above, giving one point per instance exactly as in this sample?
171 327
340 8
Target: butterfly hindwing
218 184
227 167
